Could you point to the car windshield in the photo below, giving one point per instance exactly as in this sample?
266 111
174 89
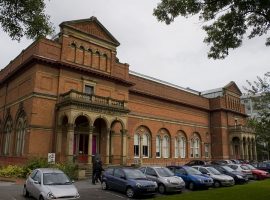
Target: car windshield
55 179
245 167
213 171
164 172
134 174
250 167
227 168
192 171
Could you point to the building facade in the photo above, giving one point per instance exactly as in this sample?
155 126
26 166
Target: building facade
71 96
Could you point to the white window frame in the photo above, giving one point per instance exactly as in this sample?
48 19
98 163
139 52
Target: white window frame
136 143
182 146
158 146
176 147
166 146
146 142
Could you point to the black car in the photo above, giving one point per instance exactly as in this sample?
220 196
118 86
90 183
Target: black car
128 180
195 162
238 177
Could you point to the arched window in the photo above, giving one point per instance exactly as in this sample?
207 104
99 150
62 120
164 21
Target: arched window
195 147
166 146
20 136
136 146
145 145
7 137
176 148
182 146
158 147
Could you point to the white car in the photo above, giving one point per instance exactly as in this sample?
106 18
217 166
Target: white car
242 168
48 183
219 179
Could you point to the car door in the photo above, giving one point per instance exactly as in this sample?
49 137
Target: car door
151 174
181 172
120 181
109 177
30 181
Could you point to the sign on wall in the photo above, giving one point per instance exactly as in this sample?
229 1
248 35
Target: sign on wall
51 158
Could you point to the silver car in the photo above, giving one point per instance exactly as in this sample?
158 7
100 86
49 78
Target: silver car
218 178
47 184
165 179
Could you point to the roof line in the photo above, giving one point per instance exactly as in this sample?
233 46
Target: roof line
163 82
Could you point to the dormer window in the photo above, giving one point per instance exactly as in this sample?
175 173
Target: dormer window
89 89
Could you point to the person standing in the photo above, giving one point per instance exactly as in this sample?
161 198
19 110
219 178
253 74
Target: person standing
98 171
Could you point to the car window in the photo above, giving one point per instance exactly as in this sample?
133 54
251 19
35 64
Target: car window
164 172
204 171
55 179
119 173
134 174
109 171
37 176
33 174
233 166
180 171
172 169
150 171
142 169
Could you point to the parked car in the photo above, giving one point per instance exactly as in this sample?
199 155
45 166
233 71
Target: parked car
257 173
48 183
238 177
165 179
128 180
195 162
192 177
263 166
219 179
242 168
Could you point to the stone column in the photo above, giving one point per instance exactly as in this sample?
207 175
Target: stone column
91 128
254 150
141 149
108 146
250 151
124 146
70 142
242 152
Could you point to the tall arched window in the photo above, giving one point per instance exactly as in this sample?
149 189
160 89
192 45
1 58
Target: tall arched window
20 136
7 137
195 147
145 145
182 146
166 146
136 146
158 147
176 147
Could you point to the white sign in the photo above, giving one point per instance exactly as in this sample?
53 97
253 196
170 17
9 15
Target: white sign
51 158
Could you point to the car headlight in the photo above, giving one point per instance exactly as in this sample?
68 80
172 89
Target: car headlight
138 185
200 180
238 176
50 195
155 183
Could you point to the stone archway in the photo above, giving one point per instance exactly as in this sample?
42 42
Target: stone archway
236 145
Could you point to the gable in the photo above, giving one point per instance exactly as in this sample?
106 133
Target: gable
233 88
91 27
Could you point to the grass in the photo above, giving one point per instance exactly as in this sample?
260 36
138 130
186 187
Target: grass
257 190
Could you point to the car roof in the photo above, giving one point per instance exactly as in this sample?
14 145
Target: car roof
50 170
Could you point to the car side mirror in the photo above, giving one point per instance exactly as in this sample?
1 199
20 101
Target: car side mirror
36 182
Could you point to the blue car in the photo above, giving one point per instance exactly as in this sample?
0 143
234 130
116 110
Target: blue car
128 180
193 178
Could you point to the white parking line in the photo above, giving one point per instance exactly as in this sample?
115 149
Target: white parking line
115 195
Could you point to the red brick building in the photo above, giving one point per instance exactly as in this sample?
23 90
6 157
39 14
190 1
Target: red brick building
71 96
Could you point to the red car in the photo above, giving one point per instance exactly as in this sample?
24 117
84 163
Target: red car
257 173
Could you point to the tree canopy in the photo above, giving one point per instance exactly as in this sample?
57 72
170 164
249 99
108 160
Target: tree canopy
20 18
259 92
227 21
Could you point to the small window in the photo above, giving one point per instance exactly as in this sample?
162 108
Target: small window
88 89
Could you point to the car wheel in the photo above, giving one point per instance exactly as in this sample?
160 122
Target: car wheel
217 184
104 185
25 192
161 189
191 186
41 198
130 192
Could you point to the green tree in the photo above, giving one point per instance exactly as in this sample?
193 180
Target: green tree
259 92
227 21
20 18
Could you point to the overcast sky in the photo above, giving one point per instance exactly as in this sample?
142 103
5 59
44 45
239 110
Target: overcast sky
174 53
